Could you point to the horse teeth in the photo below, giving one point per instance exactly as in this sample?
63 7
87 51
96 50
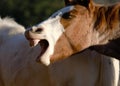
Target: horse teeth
34 42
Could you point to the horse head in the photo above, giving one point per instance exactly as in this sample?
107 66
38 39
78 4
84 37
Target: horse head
77 26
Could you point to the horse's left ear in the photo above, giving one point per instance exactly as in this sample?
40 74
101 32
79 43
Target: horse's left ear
87 3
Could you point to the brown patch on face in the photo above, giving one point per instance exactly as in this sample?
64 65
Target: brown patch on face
70 17
76 36
62 49
77 28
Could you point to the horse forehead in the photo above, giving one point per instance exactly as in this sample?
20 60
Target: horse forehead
63 10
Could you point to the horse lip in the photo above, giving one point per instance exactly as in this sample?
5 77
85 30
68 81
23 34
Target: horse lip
44 56
43 44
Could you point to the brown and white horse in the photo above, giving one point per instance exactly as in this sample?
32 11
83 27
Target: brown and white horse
79 25
18 68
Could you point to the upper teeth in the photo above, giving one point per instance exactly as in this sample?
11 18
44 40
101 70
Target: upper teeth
34 42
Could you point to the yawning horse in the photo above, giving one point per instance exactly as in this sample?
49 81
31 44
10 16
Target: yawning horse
79 25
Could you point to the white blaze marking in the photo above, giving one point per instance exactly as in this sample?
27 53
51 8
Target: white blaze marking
52 30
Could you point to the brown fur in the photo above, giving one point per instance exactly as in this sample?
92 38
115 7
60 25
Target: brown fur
107 18
84 23
88 24
108 23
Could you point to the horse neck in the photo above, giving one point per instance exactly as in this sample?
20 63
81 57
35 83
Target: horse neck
107 23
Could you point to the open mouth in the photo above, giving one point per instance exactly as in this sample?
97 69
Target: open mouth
44 46
45 50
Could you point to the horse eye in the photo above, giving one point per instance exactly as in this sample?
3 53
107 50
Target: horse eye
67 16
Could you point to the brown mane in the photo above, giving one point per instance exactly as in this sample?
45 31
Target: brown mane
107 18
107 21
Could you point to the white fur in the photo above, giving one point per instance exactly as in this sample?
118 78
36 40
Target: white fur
52 30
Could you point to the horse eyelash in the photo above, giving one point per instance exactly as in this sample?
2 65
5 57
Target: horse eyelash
67 16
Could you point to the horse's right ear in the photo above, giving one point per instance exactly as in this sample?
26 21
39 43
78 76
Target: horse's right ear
80 2
86 3
68 2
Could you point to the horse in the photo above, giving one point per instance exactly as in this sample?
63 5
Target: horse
81 24
19 68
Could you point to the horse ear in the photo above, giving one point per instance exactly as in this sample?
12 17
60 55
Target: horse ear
80 2
86 3
69 2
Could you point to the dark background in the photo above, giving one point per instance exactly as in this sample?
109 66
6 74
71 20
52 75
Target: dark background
31 12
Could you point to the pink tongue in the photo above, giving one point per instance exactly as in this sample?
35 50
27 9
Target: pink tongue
34 42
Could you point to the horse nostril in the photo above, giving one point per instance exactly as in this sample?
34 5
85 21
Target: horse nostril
38 30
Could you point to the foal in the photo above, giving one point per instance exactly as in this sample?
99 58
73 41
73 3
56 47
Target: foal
79 25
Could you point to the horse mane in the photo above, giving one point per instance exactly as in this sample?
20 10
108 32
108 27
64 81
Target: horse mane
107 22
107 17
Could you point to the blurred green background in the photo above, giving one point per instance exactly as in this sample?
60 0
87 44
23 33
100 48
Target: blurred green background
31 12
